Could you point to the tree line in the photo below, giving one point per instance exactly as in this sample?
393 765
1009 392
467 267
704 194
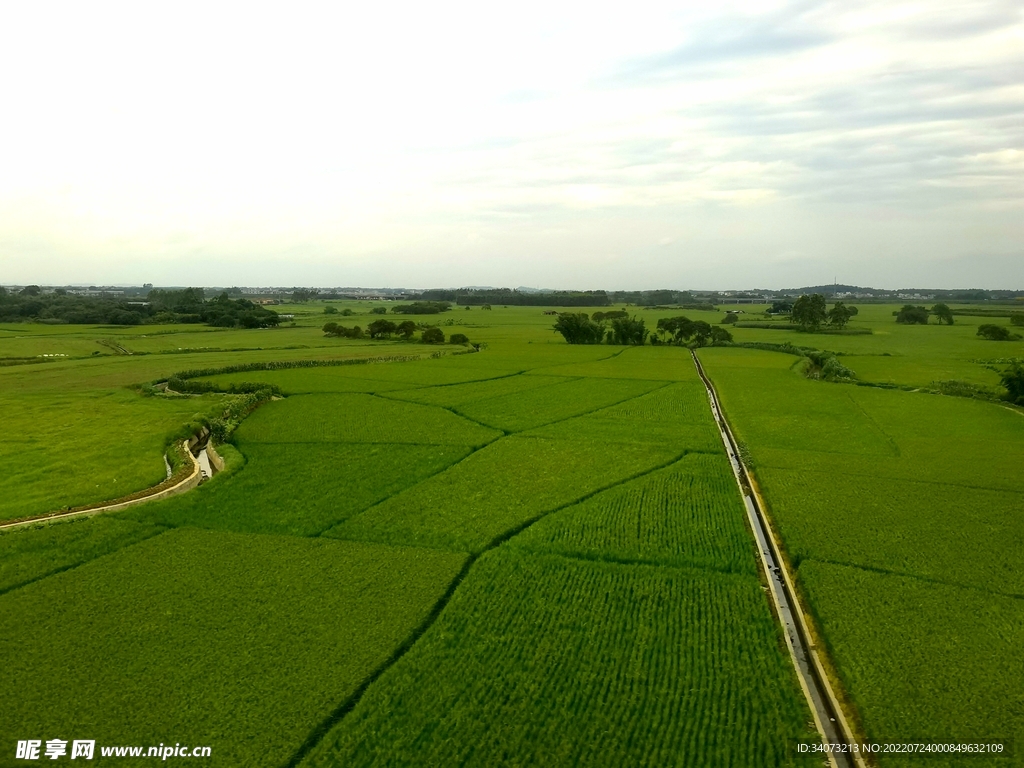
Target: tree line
188 305
810 313
387 329
580 328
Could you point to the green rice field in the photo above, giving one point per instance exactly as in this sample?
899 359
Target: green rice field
534 554
902 513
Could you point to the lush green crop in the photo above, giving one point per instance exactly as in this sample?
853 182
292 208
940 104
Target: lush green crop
546 660
903 511
302 488
517 411
687 514
924 658
359 418
455 395
498 489
673 415
27 554
241 643
658 363
61 450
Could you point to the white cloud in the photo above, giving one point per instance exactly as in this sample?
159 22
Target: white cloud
439 143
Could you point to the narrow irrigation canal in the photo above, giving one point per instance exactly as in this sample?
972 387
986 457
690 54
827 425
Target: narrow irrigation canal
828 716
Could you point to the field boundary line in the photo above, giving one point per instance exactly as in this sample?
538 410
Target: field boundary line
474 449
631 562
352 700
154 493
914 576
450 410
65 568
875 475
501 538
599 408
828 713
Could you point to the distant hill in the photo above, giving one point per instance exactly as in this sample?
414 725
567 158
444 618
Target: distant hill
832 288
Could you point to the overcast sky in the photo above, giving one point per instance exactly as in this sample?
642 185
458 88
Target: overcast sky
582 145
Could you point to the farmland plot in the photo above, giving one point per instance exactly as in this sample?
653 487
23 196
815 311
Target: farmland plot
302 489
107 446
676 414
454 395
687 514
238 642
27 554
654 363
909 648
359 418
900 510
464 508
535 407
544 660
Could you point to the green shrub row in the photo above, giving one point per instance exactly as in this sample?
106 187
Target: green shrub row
277 365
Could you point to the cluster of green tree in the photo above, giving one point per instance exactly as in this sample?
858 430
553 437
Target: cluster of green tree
683 330
1013 380
997 333
611 314
1017 318
627 331
385 329
810 313
729 319
188 305
346 312
516 298
579 328
916 315
422 308
221 311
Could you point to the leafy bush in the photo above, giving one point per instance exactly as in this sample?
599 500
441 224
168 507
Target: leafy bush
1017 318
578 328
809 312
422 308
379 311
729 319
333 329
610 315
1013 380
459 338
911 315
997 333
433 336
628 331
381 329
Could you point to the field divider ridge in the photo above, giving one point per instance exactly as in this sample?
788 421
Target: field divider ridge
829 718
72 566
349 703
